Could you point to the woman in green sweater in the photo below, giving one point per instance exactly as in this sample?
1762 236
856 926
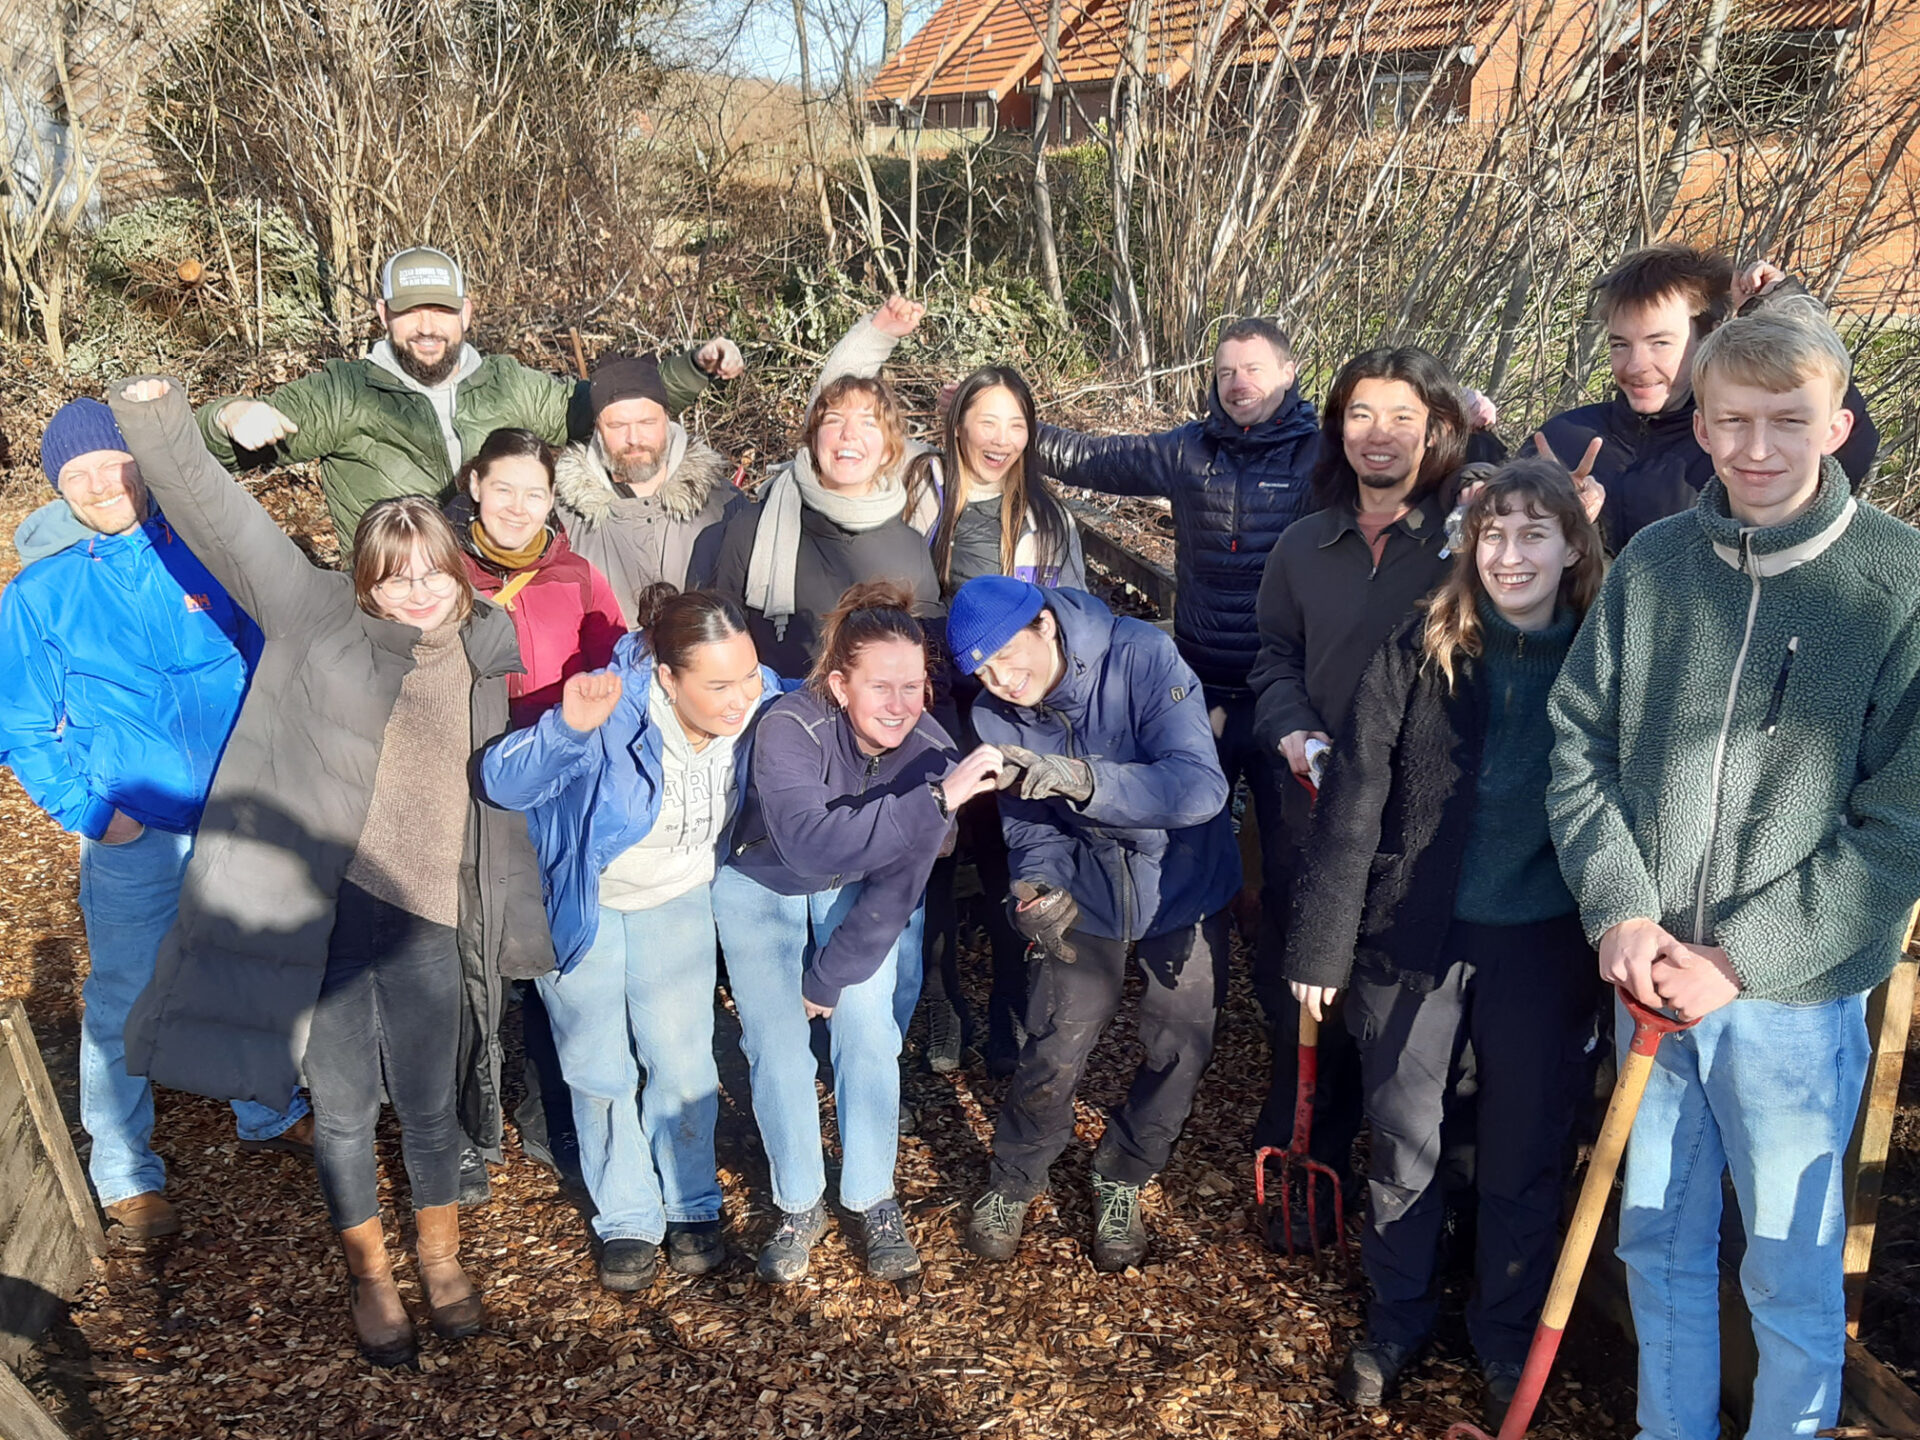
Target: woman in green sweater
1430 890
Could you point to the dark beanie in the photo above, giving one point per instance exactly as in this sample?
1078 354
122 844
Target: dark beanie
78 428
628 377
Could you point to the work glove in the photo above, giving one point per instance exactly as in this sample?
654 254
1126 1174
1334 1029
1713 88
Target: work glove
1045 915
1033 776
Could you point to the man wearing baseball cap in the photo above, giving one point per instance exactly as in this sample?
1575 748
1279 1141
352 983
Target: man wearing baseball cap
642 500
127 664
402 419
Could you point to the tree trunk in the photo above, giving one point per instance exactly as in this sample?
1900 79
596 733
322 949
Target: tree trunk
896 21
1125 163
1042 189
1686 134
806 120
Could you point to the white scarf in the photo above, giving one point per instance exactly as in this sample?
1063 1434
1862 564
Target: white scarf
776 544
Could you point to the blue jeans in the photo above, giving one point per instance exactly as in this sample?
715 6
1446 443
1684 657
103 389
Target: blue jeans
766 938
129 896
1767 1092
642 998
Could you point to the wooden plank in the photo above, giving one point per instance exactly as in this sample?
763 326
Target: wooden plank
1110 555
1878 1397
21 1417
16 1038
1889 1017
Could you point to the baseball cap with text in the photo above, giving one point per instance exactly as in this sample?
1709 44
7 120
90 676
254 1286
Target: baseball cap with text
422 276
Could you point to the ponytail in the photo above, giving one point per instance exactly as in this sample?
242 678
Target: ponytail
675 624
869 613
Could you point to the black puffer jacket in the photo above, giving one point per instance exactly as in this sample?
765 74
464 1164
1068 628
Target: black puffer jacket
1233 488
227 1012
1653 466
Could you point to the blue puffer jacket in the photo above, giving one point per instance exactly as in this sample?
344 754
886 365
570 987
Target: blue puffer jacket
823 814
1153 850
1233 488
126 664
1653 467
590 797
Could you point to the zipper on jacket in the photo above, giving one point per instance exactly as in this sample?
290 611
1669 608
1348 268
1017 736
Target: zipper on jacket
1752 566
1779 696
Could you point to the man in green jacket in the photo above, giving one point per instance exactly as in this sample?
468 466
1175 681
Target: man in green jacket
401 420
1736 806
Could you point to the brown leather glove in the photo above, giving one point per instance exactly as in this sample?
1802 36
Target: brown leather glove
1045 915
1033 776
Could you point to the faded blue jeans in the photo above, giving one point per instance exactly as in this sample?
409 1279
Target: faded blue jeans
768 949
129 896
1767 1092
642 998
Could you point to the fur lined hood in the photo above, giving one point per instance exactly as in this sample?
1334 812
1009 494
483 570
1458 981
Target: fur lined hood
583 481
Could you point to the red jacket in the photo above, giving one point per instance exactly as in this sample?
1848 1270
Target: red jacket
565 616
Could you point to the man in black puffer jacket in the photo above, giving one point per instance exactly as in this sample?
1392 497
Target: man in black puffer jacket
1657 305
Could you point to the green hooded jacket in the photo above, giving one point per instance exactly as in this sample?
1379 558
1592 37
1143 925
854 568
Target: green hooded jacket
1737 751
375 436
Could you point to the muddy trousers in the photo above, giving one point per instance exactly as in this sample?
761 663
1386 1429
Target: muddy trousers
1068 1009
1522 995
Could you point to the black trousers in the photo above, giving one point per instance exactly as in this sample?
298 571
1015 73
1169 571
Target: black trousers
981 841
1522 996
544 1115
1068 1009
388 1012
1280 808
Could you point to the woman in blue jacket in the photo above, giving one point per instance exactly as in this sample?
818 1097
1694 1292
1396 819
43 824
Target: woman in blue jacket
854 788
1121 848
631 785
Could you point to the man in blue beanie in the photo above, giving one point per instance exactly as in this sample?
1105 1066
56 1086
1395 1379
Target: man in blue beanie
128 665
1122 853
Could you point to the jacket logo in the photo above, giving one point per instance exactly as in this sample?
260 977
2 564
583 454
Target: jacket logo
1179 693
197 603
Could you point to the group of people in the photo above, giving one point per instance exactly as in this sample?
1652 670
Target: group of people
581 722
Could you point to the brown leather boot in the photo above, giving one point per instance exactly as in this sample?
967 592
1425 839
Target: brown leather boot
452 1303
380 1320
146 1216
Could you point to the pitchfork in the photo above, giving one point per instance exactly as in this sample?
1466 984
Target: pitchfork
1648 1028
1295 1162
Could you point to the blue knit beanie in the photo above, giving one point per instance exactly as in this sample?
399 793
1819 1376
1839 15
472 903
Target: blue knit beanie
78 428
988 612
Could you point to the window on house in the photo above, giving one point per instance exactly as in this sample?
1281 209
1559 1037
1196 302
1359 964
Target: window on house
982 116
1391 97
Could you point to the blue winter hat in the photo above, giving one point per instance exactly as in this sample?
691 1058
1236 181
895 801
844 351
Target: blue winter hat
78 428
988 612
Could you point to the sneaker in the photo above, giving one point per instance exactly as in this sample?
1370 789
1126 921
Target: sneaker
890 1253
146 1216
695 1248
475 1188
1119 1232
944 1037
1502 1379
994 1231
628 1265
783 1259
1372 1373
296 1139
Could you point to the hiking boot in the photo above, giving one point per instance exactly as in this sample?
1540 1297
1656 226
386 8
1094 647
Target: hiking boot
475 1188
1502 1379
296 1140
1119 1232
381 1325
146 1216
628 1265
783 1259
454 1307
890 1253
994 1231
1372 1371
944 1036
695 1248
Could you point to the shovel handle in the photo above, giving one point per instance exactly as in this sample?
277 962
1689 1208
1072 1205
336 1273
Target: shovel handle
1309 1030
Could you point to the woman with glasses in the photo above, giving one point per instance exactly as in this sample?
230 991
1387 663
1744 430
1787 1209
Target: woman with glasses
351 905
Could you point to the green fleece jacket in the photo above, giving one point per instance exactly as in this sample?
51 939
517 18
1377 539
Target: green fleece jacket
1737 755
376 436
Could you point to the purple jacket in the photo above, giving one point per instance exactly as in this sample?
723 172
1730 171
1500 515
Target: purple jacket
821 814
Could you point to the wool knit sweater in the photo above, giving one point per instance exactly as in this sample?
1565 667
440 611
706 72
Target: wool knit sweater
1509 875
410 848
1738 742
